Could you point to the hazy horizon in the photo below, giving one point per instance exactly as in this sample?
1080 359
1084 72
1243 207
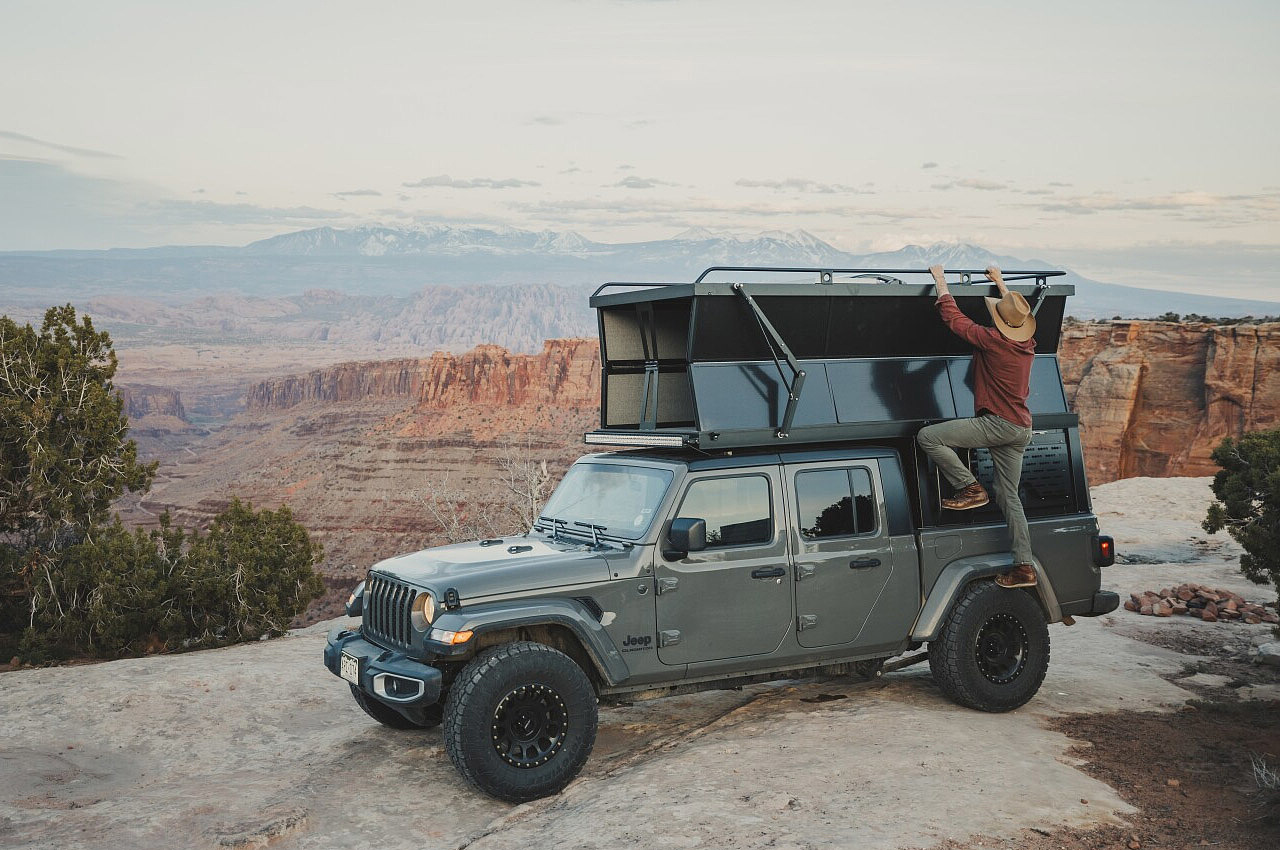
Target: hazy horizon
1132 144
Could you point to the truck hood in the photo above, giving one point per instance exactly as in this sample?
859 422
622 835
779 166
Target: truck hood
517 564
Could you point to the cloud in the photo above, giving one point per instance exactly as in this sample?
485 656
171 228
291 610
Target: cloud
1205 207
972 183
45 205
546 120
31 140
176 211
796 184
573 169
930 165
631 181
681 212
447 182
625 167
358 193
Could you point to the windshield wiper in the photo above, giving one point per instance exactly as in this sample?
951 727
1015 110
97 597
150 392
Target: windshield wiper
556 525
595 531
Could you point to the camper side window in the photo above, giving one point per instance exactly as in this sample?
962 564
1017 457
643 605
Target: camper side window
737 510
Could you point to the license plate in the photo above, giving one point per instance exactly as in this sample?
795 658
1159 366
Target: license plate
349 668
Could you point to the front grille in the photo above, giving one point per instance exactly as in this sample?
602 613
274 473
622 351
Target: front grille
387 603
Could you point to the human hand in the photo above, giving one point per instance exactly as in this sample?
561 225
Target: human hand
993 274
940 279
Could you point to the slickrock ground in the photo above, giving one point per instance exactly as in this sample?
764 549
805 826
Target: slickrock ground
258 744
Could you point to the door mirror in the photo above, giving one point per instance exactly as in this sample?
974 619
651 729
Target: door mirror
688 534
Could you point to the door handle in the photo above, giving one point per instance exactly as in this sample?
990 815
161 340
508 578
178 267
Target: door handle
769 572
863 563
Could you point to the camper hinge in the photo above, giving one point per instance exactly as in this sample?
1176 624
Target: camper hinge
776 345
1042 287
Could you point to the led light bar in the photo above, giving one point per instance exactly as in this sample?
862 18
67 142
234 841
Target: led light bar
609 438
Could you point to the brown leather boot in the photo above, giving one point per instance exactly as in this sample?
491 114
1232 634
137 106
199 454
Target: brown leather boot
1022 575
972 496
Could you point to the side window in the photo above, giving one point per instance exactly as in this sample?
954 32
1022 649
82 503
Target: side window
736 510
835 503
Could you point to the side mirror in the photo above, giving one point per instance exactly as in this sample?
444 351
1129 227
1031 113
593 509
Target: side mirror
355 602
688 534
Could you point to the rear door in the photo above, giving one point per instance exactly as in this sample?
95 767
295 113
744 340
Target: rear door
843 559
732 599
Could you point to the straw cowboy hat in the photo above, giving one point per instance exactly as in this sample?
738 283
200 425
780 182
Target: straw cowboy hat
1012 315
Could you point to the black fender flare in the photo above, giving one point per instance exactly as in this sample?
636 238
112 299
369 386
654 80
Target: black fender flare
957 575
493 616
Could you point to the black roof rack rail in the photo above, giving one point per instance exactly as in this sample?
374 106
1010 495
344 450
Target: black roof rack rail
826 274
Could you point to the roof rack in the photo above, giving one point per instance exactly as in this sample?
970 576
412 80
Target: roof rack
726 363
827 275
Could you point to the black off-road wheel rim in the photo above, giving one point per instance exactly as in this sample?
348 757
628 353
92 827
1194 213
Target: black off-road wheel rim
529 726
1001 648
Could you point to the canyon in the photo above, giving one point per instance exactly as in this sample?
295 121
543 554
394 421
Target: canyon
381 456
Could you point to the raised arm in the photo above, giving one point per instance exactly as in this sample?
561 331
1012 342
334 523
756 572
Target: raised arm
960 324
993 274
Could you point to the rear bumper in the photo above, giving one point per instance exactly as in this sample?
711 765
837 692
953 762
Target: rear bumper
1104 602
385 674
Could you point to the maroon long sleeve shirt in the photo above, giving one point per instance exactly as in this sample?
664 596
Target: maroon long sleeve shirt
1001 367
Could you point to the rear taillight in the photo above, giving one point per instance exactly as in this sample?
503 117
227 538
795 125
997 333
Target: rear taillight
1104 551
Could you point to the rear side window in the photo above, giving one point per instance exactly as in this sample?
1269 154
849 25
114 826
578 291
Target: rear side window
737 510
835 503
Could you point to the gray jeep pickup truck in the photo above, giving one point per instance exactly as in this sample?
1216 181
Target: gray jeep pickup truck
772 519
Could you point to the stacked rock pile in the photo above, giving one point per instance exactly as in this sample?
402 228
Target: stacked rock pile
1205 603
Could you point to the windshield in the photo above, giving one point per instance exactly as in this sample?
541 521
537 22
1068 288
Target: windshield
623 499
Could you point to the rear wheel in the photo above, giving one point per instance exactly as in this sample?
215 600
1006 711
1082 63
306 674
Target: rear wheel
432 715
993 652
520 721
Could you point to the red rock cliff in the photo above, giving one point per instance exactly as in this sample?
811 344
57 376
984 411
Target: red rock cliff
141 401
1155 398
359 381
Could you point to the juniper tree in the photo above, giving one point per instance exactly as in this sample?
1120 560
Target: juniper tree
1248 490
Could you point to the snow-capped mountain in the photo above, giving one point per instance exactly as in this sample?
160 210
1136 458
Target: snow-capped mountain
399 261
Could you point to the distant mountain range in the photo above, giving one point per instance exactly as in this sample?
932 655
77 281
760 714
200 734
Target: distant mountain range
373 261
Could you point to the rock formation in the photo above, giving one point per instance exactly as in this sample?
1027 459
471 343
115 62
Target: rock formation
141 401
1155 398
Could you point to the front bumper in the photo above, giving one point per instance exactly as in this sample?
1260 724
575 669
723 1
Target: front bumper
386 675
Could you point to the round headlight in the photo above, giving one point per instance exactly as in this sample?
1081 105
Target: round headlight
423 611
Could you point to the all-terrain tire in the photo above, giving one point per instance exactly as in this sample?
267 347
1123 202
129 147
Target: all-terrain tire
993 651
392 719
520 721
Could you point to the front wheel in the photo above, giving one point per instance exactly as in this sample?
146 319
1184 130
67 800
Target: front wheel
520 721
993 652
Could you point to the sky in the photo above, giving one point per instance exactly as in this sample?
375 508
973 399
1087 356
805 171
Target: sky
1133 142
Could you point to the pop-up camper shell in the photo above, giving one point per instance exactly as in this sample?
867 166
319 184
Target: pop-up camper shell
850 355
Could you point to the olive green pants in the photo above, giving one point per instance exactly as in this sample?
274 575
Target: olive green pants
1006 441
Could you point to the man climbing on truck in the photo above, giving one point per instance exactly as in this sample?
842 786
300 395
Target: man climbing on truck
1002 360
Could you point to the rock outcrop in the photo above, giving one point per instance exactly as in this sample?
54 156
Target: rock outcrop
1155 398
481 392
142 401
359 381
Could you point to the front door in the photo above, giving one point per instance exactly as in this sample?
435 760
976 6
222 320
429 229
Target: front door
732 599
843 559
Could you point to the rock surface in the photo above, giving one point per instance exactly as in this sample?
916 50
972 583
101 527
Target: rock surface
1155 398
258 745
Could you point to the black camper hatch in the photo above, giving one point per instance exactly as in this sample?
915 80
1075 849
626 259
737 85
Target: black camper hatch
859 354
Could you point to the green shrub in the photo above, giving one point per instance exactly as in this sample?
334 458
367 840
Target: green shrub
74 582
1248 489
248 577
123 593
